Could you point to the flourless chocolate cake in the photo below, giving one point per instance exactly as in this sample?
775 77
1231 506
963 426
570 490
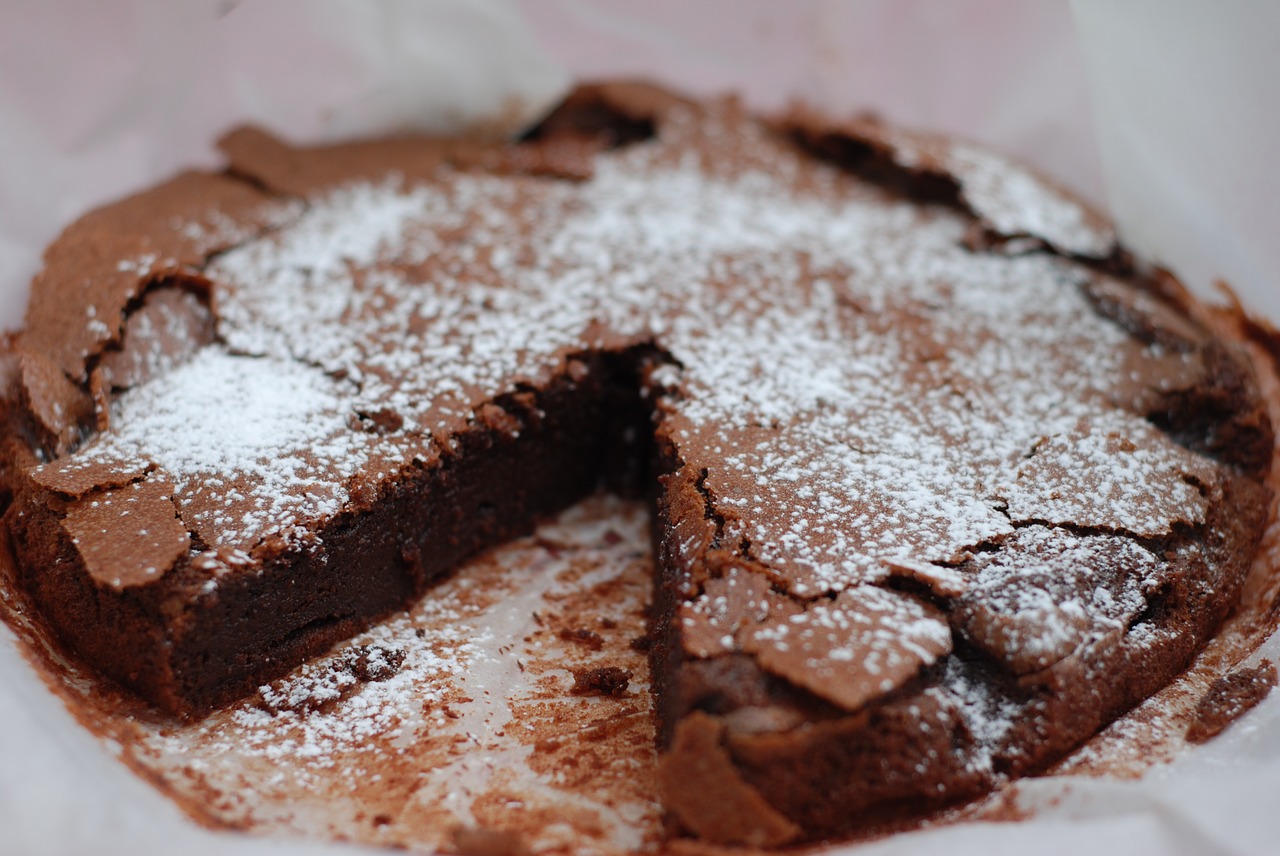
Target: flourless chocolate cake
942 485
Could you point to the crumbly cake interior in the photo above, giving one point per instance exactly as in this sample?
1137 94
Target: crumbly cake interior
941 491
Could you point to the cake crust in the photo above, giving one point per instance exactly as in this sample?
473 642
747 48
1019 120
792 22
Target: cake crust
943 485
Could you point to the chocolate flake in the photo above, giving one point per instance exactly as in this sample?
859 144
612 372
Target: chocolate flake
703 787
128 536
1229 698
861 645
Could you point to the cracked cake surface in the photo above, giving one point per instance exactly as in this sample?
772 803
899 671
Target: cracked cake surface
941 484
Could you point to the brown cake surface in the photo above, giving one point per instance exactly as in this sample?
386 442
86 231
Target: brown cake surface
941 486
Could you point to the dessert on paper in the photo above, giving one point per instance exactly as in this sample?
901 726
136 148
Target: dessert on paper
357 669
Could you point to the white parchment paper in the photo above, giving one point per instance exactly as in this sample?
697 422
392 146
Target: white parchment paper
98 99
1187 96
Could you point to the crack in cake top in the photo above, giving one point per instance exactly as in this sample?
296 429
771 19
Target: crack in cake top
863 387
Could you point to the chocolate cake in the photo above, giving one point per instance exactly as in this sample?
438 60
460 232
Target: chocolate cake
942 484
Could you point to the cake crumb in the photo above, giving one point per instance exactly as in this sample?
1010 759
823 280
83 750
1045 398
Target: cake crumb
603 680
583 636
1229 698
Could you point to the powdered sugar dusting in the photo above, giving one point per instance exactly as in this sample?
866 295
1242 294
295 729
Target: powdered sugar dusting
1009 197
1015 201
216 230
1050 592
263 435
802 320
860 388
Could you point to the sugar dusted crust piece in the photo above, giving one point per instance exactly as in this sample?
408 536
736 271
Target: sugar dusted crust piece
943 484
854 649
1010 200
128 535
106 259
